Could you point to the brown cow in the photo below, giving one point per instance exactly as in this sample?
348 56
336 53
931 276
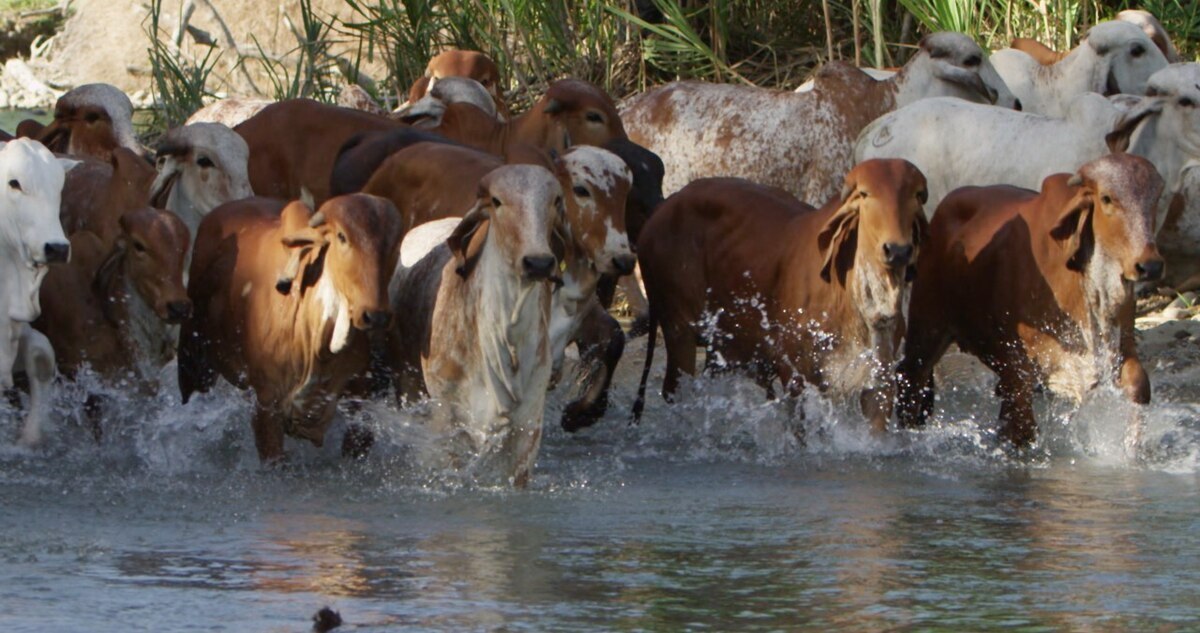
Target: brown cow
1039 286
111 306
280 296
97 194
91 120
458 63
473 327
1044 55
783 289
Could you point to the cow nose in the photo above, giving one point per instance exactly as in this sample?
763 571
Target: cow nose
1150 270
1017 105
897 255
57 252
538 266
625 263
179 310
376 319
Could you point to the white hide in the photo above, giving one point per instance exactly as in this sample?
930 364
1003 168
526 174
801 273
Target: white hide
1116 57
956 144
878 74
115 103
799 142
228 112
200 167
35 357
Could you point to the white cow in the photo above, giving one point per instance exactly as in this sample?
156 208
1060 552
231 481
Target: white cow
800 142
31 237
474 317
955 143
1116 57
200 167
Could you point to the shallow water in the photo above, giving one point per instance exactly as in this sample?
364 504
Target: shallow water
710 515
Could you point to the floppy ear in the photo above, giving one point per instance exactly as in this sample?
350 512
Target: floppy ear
971 80
462 241
300 235
1118 138
839 232
1074 225
426 112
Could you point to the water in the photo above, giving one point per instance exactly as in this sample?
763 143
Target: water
711 515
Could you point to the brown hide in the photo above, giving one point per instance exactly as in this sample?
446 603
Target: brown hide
1005 275
260 279
458 63
102 306
750 253
96 194
294 143
1044 55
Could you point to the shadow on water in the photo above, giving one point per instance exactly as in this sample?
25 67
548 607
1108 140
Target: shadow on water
723 512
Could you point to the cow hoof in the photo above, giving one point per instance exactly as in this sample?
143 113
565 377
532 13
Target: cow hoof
326 620
639 326
357 442
578 415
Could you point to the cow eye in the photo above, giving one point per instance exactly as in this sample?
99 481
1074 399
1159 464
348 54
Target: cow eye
204 161
1106 199
1138 50
495 202
972 61
139 247
341 237
1186 102
862 194
922 196
581 191
594 117
13 184
91 117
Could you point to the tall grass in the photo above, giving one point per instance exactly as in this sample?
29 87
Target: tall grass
179 85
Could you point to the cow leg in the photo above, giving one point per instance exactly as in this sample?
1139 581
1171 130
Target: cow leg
37 359
601 343
268 435
639 308
357 442
1017 424
923 348
680 342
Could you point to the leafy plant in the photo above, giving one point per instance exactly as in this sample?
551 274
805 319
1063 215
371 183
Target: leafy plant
179 85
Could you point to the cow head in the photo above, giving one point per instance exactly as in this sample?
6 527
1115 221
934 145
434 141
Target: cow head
200 166
347 251
428 111
517 210
150 252
952 65
585 114
646 193
596 183
876 233
1125 58
1112 214
1153 29
456 63
90 120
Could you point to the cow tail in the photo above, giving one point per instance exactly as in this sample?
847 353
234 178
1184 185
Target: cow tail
640 403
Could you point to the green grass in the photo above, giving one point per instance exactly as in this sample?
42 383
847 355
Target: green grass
18 6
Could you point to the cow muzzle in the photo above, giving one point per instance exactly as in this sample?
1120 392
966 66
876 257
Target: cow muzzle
538 266
57 252
178 311
624 263
1150 270
374 319
896 255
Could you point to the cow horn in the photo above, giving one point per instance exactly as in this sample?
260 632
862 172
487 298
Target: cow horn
317 219
553 106
1075 180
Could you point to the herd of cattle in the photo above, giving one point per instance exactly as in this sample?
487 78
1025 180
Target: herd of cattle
1007 204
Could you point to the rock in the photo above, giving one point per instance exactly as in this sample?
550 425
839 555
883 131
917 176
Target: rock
1174 312
1185 300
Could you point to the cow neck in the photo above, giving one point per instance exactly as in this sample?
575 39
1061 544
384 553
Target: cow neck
513 325
579 281
1170 156
138 327
469 125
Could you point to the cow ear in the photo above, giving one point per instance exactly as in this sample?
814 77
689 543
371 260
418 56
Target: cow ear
1122 132
968 79
466 241
837 241
29 129
300 235
1074 226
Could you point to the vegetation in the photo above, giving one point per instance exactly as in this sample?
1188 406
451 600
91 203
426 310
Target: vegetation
625 45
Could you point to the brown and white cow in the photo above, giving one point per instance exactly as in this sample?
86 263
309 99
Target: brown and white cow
112 306
800 142
200 167
282 299
772 285
474 321
1038 286
89 121
458 63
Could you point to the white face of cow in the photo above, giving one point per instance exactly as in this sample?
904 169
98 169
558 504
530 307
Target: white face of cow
1126 58
953 65
598 183
200 167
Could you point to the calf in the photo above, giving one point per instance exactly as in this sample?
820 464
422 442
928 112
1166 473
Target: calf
280 295
785 290
474 325
1038 286
200 167
30 238
113 306
89 121
457 63
801 142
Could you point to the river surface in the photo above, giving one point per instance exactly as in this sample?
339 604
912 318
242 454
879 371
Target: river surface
710 515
